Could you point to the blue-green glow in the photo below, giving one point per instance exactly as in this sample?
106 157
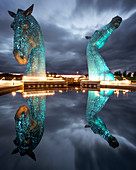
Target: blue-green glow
97 67
96 101
30 122
29 47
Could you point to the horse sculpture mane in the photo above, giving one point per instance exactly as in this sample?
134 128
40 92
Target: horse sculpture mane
29 45
97 67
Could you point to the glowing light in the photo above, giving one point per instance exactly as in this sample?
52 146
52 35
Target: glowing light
13 93
76 79
10 83
33 78
60 91
95 103
29 47
72 76
124 92
76 88
32 94
116 92
3 78
123 82
97 68
97 93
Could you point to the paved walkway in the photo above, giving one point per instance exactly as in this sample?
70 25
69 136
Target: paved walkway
7 84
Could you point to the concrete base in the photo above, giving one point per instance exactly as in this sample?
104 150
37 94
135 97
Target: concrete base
32 85
90 85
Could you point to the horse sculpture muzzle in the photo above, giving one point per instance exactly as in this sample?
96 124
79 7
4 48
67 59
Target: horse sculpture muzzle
20 57
116 21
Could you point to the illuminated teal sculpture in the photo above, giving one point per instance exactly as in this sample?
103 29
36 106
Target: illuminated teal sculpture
30 122
97 67
96 101
29 47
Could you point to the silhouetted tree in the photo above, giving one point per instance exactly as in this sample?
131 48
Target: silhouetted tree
129 74
118 73
86 75
124 73
134 75
55 75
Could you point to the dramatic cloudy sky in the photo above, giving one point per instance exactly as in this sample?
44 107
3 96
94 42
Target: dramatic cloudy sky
64 24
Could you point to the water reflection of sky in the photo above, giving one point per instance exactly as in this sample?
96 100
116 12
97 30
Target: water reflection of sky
66 144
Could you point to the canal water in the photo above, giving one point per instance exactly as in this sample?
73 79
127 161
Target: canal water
68 131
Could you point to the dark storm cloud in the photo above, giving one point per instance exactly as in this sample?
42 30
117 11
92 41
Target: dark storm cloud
62 110
62 40
120 51
53 34
5 31
66 49
9 64
100 6
93 157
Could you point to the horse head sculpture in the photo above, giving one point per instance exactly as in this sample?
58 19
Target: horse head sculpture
29 126
99 38
28 41
97 67
94 105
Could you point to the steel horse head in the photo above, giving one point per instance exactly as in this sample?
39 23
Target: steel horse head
28 41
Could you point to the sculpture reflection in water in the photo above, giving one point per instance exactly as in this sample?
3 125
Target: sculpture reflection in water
29 44
30 126
97 68
94 105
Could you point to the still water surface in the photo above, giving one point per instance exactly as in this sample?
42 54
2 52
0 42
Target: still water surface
69 131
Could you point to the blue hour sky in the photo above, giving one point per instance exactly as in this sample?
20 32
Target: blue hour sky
64 24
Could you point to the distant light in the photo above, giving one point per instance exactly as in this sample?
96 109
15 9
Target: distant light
76 88
3 78
76 78
123 82
31 78
72 76
13 93
32 94
116 92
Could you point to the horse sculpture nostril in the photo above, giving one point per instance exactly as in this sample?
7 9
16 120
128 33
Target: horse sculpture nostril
21 55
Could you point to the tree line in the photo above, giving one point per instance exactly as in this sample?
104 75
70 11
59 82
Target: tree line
124 74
